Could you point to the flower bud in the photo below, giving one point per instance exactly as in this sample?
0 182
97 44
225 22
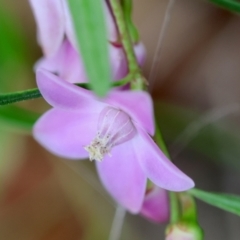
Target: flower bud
156 205
184 231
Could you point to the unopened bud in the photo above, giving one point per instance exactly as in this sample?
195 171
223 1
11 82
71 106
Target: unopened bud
184 231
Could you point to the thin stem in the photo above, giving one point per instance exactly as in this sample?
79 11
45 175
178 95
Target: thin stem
159 139
127 11
138 81
13 97
117 224
174 206
157 55
125 36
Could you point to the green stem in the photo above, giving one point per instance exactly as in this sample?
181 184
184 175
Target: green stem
9 98
159 139
127 11
174 204
138 81
174 207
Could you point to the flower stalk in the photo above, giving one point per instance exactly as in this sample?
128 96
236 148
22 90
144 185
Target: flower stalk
174 206
138 81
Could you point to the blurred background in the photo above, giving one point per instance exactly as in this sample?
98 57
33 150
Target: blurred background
197 103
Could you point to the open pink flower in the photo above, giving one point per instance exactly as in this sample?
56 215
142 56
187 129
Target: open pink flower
113 131
155 206
54 22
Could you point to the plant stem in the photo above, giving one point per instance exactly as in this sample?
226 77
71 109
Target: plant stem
174 205
13 97
138 81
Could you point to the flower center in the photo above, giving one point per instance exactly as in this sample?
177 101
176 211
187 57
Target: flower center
114 127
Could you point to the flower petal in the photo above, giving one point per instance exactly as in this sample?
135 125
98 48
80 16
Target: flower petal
118 62
62 94
50 22
140 52
156 205
66 63
65 133
70 32
137 104
123 177
110 23
72 69
158 168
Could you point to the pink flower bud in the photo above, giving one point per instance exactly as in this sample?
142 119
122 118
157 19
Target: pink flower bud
156 205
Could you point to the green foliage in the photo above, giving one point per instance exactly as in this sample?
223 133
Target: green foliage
231 5
227 202
91 35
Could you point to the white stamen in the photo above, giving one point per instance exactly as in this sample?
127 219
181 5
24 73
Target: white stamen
114 127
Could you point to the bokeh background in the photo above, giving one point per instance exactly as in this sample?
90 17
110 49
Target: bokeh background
197 103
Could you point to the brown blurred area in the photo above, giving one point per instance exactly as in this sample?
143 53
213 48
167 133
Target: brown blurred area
47 198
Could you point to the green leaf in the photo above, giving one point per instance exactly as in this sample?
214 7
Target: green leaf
91 34
16 118
230 5
227 202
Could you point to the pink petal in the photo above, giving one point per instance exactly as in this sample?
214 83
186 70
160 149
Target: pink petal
140 52
137 104
118 62
66 63
50 22
54 62
111 25
65 133
156 205
123 177
69 28
72 69
62 94
158 168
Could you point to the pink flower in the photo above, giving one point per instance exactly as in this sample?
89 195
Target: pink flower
54 22
113 131
155 206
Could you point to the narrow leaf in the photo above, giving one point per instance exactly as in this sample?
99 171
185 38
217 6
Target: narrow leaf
91 34
230 5
227 202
